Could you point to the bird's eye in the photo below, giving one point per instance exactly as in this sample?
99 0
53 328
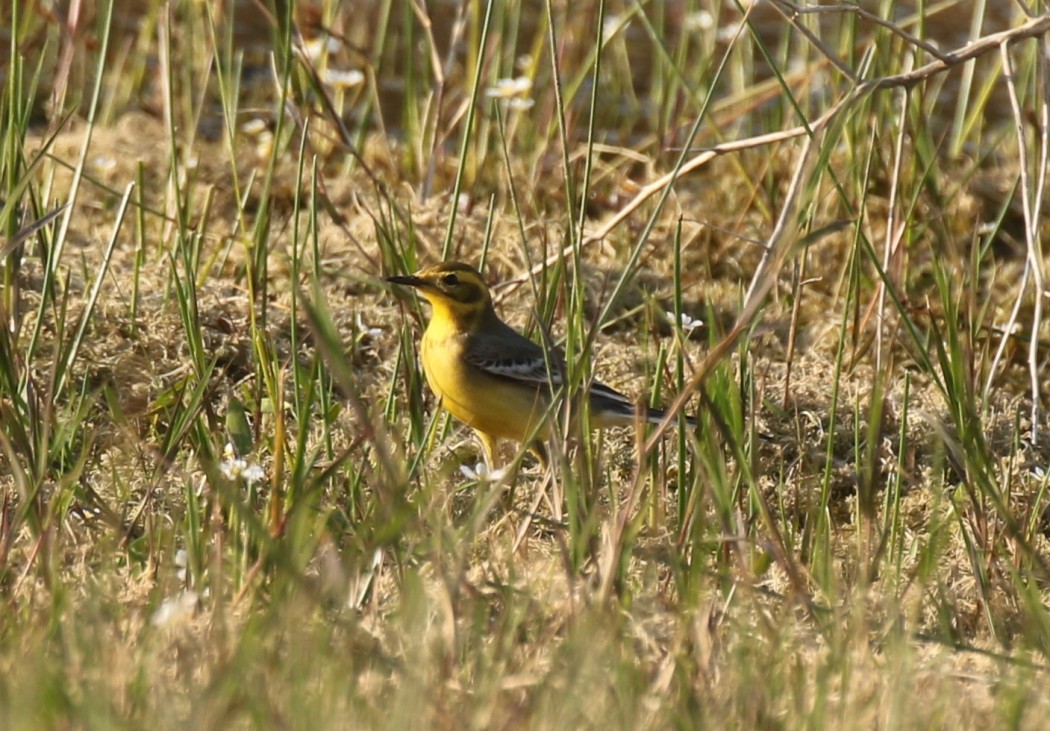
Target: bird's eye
450 280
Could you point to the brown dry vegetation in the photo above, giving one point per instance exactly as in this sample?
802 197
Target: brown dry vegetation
854 537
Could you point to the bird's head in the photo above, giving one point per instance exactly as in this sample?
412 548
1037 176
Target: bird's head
452 287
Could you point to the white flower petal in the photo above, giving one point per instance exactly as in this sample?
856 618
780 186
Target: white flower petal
317 47
232 468
343 79
254 127
685 322
700 20
253 473
176 609
521 104
509 88
366 330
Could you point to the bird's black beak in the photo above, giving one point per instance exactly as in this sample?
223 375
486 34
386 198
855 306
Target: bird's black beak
410 281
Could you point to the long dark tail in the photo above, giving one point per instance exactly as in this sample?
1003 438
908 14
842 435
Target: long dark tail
610 407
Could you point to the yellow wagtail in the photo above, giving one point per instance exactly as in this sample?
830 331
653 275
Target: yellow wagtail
488 375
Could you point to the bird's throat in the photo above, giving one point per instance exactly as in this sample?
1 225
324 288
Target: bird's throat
450 318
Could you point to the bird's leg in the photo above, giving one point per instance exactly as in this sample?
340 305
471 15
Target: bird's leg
490 445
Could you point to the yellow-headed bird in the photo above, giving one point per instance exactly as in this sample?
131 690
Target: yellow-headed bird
488 375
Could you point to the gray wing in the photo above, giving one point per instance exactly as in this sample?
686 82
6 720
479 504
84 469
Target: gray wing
510 355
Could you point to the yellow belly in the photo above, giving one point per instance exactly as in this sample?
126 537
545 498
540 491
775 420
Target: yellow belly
500 408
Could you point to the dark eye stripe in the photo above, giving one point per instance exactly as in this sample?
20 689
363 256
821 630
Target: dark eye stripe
466 292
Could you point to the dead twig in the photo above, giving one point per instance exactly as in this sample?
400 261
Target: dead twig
1031 202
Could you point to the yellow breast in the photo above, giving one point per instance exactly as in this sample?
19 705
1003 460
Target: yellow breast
498 407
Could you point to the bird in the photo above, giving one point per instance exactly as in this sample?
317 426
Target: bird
491 377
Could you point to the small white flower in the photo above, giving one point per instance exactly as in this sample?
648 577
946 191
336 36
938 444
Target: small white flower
264 144
343 79
175 609
254 127
234 468
728 33
317 47
687 323
477 472
698 21
364 330
480 473
181 559
253 473
514 92
612 25
510 88
105 163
